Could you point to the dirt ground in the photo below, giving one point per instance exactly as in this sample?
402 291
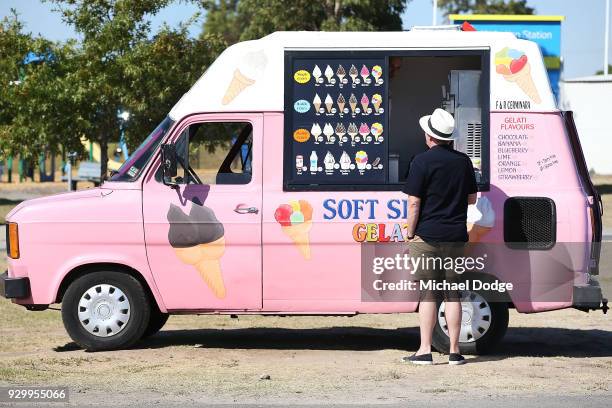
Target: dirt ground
560 358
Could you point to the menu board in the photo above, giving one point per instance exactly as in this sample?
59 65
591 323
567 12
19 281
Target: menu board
338 116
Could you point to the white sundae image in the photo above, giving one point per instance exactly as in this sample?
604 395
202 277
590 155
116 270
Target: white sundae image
329 161
345 161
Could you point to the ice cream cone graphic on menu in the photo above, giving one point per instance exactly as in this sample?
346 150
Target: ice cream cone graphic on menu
353 103
295 219
365 101
353 73
250 69
198 240
352 131
341 102
376 101
329 103
316 102
480 219
514 66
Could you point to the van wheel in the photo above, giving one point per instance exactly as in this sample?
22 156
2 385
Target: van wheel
483 324
156 322
105 311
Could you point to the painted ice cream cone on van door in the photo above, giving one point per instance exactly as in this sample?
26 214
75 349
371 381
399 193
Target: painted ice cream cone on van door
250 69
198 240
480 219
295 219
514 66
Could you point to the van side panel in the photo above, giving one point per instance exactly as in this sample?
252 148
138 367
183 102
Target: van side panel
329 281
531 157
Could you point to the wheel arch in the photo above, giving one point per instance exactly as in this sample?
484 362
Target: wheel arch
85 269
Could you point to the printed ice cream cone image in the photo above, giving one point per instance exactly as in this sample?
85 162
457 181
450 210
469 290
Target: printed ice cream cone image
295 219
341 102
352 131
514 66
345 161
365 101
480 219
316 73
376 101
340 130
353 73
328 131
353 103
249 70
365 72
315 130
376 129
376 72
364 130
316 102
198 240
329 73
329 103
341 73
361 158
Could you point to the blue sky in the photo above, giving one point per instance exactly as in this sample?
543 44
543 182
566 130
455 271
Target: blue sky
582 31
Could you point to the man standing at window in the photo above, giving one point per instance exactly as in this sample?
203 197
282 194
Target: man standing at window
440 185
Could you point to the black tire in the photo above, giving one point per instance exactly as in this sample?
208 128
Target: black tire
129 333
156 322
484 344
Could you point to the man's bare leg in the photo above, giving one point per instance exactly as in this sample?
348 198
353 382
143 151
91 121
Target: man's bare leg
427 320
452 313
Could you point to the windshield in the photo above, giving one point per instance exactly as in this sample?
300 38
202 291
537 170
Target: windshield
130 170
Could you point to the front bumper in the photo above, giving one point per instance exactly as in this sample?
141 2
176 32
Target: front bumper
589 297
14 288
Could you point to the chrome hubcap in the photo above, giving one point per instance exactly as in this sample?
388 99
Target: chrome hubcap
104 310
475 317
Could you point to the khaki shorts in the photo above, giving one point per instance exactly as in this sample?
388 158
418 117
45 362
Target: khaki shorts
436 253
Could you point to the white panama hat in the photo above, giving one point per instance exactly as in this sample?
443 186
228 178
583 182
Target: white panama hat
439 125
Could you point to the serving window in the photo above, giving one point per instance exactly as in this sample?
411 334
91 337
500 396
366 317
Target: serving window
351 118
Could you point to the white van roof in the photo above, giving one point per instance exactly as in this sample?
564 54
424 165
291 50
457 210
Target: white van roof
249 76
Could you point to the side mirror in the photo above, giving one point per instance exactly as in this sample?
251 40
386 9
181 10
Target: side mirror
169 163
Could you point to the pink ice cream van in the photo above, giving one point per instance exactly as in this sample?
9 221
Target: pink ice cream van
259 191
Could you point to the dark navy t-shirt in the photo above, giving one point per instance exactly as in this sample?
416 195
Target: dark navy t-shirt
442 178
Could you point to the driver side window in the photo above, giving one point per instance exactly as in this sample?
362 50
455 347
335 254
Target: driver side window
215 153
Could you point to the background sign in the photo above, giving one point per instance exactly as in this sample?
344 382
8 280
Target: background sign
543 30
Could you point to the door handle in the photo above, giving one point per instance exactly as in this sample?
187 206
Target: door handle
242 209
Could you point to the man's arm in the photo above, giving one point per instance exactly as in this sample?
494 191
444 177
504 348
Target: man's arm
472 198
414 206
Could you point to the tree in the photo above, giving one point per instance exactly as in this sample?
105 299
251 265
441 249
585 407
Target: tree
119 66
35 108
239 20
485 6
600 71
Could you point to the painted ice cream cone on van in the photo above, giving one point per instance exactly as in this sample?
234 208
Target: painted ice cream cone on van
480 219
295 219
514 66
198 239
250 69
